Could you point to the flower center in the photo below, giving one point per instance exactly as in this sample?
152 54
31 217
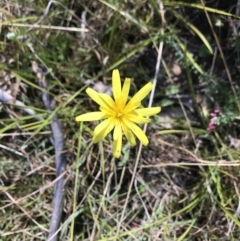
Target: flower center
118 114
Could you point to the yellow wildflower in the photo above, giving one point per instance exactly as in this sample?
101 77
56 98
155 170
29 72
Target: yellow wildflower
119 113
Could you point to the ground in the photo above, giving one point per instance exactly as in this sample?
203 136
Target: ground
184 185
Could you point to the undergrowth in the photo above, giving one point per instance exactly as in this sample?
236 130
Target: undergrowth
187 180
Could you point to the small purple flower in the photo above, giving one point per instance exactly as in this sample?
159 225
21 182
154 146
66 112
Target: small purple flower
212 123
211 127
217 112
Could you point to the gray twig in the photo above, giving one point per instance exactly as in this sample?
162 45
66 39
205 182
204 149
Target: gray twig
58 142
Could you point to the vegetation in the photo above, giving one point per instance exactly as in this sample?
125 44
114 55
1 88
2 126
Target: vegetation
185 184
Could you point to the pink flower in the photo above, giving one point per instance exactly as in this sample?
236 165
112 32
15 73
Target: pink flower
217 112
211 126
212 123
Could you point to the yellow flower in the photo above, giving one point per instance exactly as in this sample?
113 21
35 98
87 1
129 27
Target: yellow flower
120 114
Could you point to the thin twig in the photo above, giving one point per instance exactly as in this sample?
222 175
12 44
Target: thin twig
46 11
25 25
58 142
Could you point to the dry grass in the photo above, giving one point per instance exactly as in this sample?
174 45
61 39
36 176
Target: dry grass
184 185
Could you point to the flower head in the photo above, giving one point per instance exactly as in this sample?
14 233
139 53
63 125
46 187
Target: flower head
119 113
213 121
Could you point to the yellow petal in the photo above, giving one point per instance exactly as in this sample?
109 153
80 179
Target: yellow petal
117 146
98 98
91 116
129 135
94 95
148 111
108 101
116 84
108 112
137 119
122 100
103 125
117 130
139 96
131 107
138 132
125 90
102 130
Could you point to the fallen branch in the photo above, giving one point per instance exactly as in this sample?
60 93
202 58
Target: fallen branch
58 142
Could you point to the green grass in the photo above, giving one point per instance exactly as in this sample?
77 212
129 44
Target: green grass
187 179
